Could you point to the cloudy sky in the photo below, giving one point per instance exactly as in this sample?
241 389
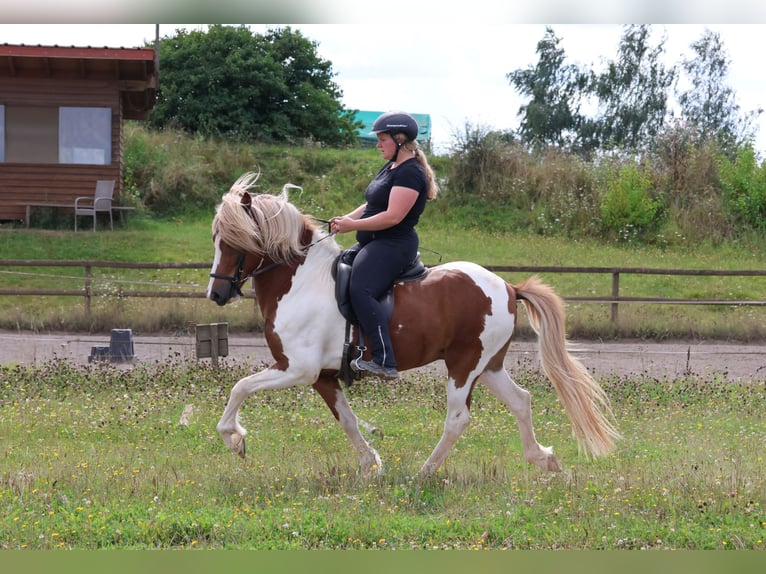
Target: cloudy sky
454 72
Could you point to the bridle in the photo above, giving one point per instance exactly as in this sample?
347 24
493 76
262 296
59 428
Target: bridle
236 281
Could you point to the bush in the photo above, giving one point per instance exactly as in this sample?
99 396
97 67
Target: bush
568 200
628 210
483 164
744 185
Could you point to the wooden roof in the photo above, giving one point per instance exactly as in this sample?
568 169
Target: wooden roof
134 70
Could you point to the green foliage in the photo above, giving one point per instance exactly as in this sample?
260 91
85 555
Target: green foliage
551 116
744 184
630 97
633 92
568 200
229 82
481 162
95 457
686 172
499 183
628 210
175 174
709 105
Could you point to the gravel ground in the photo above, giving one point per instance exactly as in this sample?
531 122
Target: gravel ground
734 361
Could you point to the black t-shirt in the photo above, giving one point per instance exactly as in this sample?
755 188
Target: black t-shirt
409 174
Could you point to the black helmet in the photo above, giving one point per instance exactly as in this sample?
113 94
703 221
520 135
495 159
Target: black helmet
396 122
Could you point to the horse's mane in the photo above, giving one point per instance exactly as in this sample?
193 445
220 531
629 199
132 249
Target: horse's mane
271 225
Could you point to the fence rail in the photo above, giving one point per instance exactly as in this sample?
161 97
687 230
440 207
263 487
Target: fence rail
88 292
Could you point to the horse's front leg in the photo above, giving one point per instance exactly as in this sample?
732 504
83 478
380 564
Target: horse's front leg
232 432
329 389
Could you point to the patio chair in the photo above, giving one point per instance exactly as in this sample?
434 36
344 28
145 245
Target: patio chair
100 202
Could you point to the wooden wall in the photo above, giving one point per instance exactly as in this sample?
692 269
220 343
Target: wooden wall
58 183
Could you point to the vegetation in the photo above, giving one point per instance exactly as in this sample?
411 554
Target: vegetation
229 82
500 205
96 456
126 456
626 106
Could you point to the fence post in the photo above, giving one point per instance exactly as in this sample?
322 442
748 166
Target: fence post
615 293
88 276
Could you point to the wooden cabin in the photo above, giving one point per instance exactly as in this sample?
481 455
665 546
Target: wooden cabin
61 119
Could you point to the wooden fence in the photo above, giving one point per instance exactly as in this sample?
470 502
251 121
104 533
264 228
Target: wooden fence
88 292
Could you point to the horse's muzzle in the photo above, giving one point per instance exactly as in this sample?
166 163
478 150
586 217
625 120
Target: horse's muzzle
220 295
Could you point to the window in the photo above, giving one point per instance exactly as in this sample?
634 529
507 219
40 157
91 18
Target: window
30 134
55 135
85 135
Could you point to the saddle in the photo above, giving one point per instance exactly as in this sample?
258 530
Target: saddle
341 273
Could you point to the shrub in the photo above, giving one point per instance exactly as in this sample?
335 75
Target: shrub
628 210
568 200
481 163
744 185
687 172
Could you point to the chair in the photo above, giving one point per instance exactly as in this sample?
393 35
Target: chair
100 202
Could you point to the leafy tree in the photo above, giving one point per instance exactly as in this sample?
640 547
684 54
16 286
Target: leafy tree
233 83
633 91
709 105
551 116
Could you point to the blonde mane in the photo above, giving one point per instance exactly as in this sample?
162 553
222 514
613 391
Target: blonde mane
271 226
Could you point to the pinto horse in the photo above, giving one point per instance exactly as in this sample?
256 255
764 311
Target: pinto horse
459 312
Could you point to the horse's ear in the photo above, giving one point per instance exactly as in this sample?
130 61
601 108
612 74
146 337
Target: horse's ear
246 201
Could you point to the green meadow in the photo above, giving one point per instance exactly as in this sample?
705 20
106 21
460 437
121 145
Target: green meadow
97 456
188 240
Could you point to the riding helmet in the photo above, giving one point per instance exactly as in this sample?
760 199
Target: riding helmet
396 122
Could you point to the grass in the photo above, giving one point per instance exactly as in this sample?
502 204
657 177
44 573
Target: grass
94 457
443 238
171 173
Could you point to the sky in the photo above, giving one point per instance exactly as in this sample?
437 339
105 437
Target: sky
454 72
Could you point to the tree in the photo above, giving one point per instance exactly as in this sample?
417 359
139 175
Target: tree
709 105
233 83
633 91
551 117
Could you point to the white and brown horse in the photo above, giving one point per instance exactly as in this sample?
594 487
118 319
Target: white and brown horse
459 312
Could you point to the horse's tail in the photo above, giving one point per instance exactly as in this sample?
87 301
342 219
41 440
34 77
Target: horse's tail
585 402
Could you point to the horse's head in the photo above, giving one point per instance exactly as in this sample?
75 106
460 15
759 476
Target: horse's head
251 233
231 265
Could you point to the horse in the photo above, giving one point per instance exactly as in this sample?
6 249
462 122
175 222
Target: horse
459 312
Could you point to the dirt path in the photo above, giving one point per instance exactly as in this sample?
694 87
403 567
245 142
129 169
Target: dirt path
734 361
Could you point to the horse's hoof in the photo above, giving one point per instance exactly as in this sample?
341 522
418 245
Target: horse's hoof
545 460
237 445
553 464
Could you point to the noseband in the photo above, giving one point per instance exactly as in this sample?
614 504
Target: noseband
237 280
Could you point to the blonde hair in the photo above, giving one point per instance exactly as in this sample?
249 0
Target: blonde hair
414 147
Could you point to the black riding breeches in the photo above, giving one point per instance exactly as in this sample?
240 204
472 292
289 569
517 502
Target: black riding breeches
375 268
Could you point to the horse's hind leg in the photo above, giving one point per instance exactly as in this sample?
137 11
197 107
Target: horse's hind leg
458 417
329 389
519 402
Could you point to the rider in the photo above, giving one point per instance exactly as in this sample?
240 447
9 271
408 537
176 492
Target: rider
385 231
